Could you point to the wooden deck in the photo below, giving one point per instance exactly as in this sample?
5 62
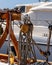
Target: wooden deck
44 61
4 59
5 63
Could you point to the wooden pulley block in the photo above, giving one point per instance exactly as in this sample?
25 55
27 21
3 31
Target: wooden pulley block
24 28
16 16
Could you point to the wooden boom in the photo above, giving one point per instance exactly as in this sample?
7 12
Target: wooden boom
6 16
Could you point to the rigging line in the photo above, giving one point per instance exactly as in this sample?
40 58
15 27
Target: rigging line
48 41
20 38
36 45
20 42
9 38
29 52
32 52
16 24
33 48
44 53
47 22
17 60
30 47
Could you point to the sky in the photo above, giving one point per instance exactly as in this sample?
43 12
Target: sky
13 3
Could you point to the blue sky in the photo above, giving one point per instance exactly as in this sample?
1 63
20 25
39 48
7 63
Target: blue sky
12 3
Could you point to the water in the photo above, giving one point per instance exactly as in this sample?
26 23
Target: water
4 48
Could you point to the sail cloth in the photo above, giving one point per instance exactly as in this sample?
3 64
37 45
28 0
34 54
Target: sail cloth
40 14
